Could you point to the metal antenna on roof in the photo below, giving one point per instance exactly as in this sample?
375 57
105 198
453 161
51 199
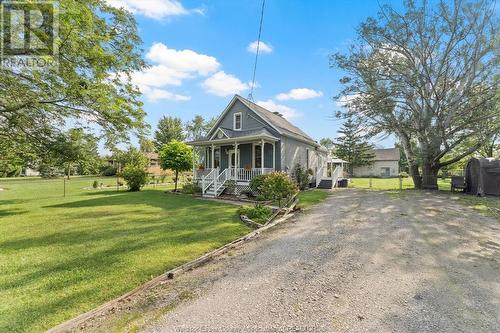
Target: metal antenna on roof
250 95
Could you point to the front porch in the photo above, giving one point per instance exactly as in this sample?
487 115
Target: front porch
241 159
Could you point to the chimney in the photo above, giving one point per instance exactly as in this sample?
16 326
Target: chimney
277 113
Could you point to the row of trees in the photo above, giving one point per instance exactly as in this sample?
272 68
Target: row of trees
428 76
171 128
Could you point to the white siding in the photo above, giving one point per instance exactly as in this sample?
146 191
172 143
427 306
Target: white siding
377 168
294 152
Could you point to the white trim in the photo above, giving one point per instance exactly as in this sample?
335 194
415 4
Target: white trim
253 154
228 107
219 130
229 153
234 121
240 139
244 102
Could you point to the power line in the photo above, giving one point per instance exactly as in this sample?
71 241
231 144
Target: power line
250 95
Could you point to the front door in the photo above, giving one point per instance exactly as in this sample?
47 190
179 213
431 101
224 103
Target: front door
232 159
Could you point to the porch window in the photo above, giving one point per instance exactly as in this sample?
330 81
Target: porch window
258 157
217 157
237 121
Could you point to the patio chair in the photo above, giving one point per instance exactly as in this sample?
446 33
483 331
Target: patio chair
457 182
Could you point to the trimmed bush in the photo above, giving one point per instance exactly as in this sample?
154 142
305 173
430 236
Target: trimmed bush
257 213
135 176
257 182
109 171
277 186
191 188
95 184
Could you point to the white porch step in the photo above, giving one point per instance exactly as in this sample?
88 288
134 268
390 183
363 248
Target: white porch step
210 192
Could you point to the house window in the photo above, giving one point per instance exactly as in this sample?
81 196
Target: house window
258 157
237 121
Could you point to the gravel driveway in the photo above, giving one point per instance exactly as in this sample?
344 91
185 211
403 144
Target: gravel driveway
358 262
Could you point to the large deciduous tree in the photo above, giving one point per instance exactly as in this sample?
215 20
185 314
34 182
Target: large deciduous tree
427 76
75 149
352 146
169 128
98 52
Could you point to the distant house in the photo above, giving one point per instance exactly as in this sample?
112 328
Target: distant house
153 169
248 140
154 164
386 164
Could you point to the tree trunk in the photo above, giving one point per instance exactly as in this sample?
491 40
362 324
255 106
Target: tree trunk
415 175
411 160
429 176
176 179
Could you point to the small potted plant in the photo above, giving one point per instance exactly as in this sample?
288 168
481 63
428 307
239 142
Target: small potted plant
201 167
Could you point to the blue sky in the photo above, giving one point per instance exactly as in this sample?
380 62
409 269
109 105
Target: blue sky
200 56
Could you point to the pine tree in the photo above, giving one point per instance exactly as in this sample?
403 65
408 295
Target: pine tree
352 146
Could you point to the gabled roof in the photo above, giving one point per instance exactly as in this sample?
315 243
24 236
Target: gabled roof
280 124
283 126
391 154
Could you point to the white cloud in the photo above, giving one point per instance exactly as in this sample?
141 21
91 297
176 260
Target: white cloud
299 94
286 111
222 84
155 9
263 47
155 94
159 76
186 61
171 68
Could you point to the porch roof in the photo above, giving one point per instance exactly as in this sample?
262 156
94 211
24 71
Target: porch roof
231 136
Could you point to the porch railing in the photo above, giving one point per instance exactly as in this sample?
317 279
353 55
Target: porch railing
246 175
209 179
319 175
220 180
336 175
198 174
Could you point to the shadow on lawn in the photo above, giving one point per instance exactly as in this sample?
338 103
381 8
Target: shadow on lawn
113 236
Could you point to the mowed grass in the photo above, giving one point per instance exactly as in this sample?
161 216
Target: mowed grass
312 197
485 205
60 257
392 183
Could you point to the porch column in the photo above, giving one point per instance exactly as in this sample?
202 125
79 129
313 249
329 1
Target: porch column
213 162
235 161
261 156
274 156
194 169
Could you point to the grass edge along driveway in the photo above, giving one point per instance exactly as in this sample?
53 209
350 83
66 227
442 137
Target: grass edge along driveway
61 257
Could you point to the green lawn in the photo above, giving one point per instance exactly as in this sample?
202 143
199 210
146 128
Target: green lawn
60 257
312 197
487 205
392 183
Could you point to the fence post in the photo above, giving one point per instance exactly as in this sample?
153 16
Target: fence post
64 181
400 183
370 182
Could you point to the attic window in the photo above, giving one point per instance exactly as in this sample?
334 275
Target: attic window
237 121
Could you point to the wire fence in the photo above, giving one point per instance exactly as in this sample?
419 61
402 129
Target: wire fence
37 187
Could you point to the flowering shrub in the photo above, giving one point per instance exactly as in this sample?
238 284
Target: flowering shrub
277 186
